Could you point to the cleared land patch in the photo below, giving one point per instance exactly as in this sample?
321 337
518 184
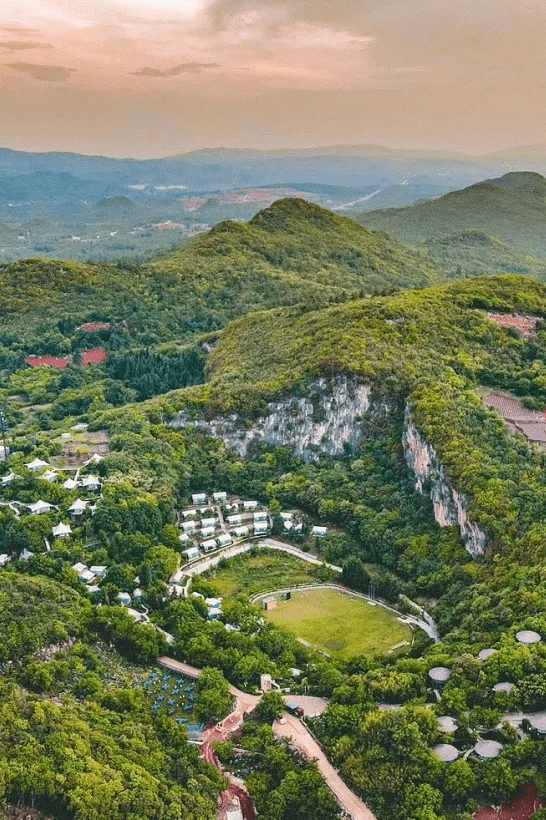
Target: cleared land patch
265 570
338 624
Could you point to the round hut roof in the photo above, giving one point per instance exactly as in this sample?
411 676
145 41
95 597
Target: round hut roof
488 748
486 653
446 752
503 686
527 636
439 674
538 722
447 724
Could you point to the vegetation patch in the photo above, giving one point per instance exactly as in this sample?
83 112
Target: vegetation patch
340 625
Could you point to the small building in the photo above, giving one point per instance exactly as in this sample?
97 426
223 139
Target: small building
208 522
447 724
86 576
36 465
25 555
446 752
90 483
209 545
266 683
199 498
214 602
4 559
77 509
189 526
319 532
79 567
49 475
184 538
61 531
5 480
189 513
528 637
93 589
538 723
260 516
241 532
208 532
261 527
219 497
214 613
504 686
124 598
270 602
287 516
137 593
96 458
439 675
40 507
70 484
191 553
250 505
99 570
488 749
484 654
224 540
234 520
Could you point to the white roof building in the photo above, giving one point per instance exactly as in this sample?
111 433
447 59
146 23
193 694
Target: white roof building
96 458
40 507
86 576
36 464
209 545
189 526
199 498
184 538
191 553
439 674
241 532
25 555
446 752
286 516
4 559
90 482
225 540
61 531
221 496
250 505
319 532
78 507
260 516
7 479
234 520
260 527
189 513
99 570
137 593
79 567
488 749
527 637
484 654
124 598
208 522
49 475
70 484
207 532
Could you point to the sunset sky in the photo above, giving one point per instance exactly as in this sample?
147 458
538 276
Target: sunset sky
156 77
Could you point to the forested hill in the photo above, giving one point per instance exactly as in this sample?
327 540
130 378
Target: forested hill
511 208
292 252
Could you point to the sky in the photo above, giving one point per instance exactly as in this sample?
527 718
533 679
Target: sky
150 78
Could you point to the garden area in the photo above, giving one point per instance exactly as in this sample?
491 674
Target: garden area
340 625
260 570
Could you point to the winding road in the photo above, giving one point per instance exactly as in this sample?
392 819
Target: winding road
289 727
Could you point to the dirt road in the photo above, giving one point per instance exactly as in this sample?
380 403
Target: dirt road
292 728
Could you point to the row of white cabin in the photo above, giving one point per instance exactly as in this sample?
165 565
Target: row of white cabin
88 482
202 499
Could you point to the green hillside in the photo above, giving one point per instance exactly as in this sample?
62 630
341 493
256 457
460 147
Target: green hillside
510 209
292 252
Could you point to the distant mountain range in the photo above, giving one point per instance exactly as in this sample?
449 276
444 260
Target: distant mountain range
496 224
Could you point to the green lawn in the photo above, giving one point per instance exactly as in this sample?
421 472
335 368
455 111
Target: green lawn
339 625
267 570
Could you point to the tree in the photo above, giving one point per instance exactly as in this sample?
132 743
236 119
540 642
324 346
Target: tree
271 706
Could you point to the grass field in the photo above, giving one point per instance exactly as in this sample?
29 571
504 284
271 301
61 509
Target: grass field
265 570
339 625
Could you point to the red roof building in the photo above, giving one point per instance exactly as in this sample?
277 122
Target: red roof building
91 327
521 807
96 356
49 361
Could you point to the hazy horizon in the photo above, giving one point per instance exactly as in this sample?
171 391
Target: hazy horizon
152 78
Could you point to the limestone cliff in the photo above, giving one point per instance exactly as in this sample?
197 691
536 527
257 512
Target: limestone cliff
334 415
450 505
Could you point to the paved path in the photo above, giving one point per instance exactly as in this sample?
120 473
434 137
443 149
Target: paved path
289 726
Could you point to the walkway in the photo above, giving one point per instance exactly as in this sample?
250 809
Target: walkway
290 727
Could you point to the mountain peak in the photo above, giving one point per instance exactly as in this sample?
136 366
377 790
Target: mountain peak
290 213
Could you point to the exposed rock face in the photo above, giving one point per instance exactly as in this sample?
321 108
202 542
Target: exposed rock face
450 506
327 420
